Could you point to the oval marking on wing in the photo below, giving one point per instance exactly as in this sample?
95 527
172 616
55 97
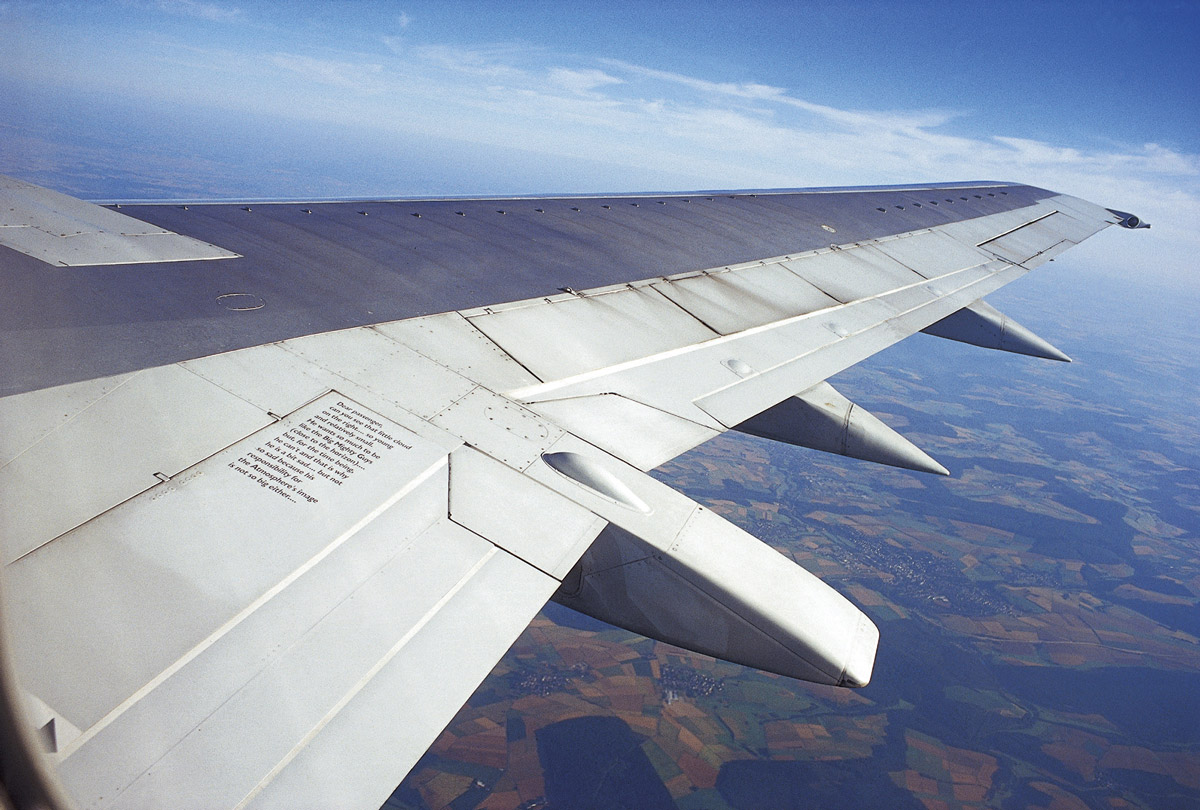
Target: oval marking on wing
241 302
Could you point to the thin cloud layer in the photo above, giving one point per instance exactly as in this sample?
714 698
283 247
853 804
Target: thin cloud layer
213 12
638 121
758 132
724 134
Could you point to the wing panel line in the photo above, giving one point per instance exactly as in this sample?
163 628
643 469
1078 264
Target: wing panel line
247 611
366 678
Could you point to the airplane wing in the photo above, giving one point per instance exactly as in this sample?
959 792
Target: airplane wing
282 482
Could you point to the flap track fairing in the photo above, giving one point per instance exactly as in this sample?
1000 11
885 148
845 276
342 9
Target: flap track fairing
822 419
981 324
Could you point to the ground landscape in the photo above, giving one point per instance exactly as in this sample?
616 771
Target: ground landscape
1038 609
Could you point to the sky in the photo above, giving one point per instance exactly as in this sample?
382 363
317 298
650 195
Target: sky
236 99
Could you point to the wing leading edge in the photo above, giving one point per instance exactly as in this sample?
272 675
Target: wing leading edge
278 547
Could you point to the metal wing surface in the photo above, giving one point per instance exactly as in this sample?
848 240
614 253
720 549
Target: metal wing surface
283 481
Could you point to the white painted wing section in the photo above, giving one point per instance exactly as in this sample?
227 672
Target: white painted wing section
68 232
118 434
874 295
649 369
252 632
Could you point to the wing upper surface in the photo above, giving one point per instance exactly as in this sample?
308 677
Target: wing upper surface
314 267
274 544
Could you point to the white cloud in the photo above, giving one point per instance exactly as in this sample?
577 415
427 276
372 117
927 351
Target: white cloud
753 91
361 76
212 12
721 134
491 61
581 81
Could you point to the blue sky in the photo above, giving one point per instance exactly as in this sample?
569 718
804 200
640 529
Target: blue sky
187 98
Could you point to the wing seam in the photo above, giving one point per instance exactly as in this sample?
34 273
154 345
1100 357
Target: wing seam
365 679
499 348
249 610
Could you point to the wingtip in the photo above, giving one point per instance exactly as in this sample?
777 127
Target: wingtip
1128 220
